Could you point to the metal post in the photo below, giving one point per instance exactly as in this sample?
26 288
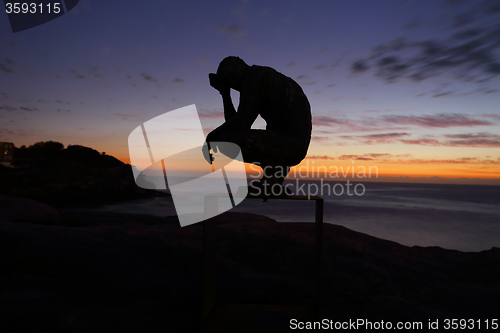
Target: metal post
209 276
319 258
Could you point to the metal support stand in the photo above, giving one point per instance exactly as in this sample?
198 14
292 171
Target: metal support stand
209 280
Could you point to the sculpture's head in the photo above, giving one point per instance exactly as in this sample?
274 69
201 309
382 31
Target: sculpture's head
231 70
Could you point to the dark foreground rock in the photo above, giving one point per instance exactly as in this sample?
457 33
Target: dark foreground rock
110 272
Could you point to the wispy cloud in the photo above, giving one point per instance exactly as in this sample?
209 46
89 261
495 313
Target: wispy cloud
329 121
442 120
28 109
134 117
6 68
423 141
324 157
493 116
386 110
399 125
211 114
372 139
320 138
406 159
469 51
463 160
336 125
89 71
8 108
486 140
233 30
148 77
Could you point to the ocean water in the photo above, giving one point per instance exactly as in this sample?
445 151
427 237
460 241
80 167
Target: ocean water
460 217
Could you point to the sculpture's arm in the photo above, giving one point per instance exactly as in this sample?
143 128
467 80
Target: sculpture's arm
225 92
229 111
236 121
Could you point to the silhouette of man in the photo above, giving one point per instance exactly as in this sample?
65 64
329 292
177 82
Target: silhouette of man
280 101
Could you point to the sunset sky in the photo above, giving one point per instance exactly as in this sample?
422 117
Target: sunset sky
412 87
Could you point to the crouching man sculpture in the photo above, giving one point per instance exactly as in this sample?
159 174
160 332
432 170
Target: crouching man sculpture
280 101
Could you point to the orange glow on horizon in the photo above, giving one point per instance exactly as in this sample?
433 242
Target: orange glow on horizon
329 169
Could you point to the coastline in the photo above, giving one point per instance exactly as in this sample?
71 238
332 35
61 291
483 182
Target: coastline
82 269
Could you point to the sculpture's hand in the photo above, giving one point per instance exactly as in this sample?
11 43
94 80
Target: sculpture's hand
218 84
206 151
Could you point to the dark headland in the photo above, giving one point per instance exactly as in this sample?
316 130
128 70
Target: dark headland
71 268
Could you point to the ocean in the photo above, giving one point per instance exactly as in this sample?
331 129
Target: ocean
459 217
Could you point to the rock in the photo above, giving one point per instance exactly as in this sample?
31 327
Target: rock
27 210
126 272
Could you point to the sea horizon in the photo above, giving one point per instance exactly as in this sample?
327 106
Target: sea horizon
461 217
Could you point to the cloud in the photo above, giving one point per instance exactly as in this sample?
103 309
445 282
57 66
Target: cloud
291 64
424 142
131 117
354 157
91 71
493 116
211 114
483 139
320 138
406 159
371 139
148 77
394 125
178 80
359 66
469 51
447 93
6 131
304 80
328 121
97 71
382 136
442 120
482 135
8 108
314 157
387 110
363 157
336 125
28 109
463 160
412 25
6 69
233 30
